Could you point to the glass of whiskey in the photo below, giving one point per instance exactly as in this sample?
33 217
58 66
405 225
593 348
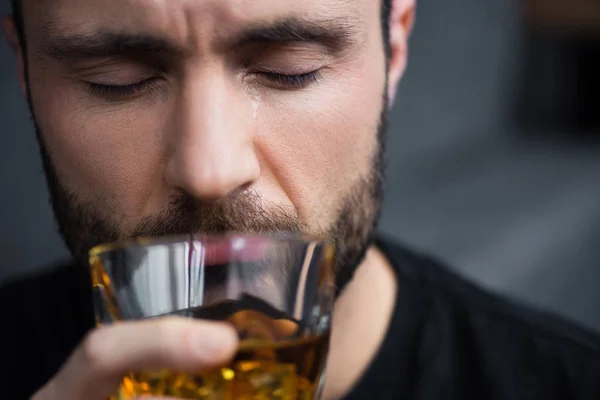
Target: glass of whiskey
277 291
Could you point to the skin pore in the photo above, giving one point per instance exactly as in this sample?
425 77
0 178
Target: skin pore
174 116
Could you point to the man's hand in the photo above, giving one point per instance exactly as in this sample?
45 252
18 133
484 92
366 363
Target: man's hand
96 367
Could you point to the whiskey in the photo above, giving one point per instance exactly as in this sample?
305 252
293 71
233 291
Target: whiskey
261 370
279 302
274 361
279 358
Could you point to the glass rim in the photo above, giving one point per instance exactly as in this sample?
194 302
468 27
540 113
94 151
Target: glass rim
144 241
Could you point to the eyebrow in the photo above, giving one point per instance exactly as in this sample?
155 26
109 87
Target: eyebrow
334 35
104 44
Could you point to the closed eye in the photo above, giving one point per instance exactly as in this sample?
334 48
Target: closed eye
291 81
120 92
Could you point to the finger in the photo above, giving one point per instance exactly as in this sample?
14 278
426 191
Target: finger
97 366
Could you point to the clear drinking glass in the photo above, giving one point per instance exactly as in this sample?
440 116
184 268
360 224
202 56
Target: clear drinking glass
277 292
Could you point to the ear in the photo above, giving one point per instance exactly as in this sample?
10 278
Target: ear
401 23
10 31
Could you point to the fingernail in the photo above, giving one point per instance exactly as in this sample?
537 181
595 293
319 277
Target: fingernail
216 341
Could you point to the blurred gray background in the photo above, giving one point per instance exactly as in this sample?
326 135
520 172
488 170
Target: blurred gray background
509 205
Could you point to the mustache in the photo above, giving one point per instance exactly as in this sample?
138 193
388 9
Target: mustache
244 212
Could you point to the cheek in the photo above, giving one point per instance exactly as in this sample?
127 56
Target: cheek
324 140
111 158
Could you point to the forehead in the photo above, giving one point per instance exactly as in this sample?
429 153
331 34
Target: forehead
183 19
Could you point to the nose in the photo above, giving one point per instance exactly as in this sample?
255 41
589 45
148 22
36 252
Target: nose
212 154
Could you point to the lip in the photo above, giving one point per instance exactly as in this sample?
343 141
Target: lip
217 252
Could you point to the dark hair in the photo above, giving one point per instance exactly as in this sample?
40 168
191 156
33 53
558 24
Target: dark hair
386 10
18 18
385 22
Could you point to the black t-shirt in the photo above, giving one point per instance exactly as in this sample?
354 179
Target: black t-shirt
447 339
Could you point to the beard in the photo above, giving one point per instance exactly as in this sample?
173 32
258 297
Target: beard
84 225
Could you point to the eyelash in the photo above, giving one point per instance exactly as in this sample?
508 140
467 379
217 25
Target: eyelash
126 91
120 91
292 81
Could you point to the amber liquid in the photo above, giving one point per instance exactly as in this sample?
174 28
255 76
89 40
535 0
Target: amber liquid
275 359
289 370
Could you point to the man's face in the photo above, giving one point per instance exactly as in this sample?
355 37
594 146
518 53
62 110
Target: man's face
176 116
